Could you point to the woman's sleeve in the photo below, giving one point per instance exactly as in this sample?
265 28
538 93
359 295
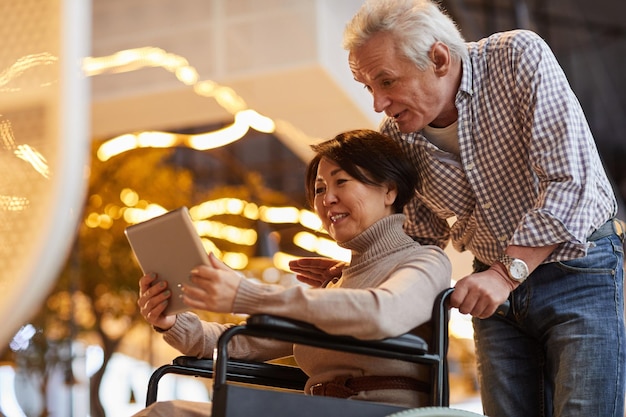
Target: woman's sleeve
403 302
194 337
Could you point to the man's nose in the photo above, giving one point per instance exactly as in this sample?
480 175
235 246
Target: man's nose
381 102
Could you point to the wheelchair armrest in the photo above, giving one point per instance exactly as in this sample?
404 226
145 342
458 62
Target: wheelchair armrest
259 373
269 324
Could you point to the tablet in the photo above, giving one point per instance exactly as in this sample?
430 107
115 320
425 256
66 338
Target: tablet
169 246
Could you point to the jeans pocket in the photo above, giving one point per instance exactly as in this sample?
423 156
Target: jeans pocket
606 257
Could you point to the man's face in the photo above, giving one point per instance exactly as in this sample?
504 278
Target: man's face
414 98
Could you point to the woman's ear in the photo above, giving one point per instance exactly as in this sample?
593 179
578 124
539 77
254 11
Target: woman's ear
392 193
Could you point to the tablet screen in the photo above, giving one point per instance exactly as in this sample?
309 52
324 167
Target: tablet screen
169 246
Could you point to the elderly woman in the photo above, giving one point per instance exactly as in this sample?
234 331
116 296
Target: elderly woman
358 184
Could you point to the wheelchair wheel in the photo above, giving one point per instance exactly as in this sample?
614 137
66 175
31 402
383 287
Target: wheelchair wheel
434 412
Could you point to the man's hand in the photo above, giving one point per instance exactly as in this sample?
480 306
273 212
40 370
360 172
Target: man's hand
480 294
316 271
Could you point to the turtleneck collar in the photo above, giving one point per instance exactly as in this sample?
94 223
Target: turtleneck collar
383 236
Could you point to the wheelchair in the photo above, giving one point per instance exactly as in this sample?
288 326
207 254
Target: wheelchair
244 388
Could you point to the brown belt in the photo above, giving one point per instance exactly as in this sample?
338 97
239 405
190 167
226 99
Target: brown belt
344 387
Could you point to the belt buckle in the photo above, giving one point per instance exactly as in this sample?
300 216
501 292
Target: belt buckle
314 387
618 226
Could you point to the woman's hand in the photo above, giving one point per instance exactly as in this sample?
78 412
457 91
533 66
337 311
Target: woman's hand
316 271
212 288
153 299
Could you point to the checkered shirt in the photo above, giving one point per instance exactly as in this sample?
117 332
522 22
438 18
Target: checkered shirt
529 172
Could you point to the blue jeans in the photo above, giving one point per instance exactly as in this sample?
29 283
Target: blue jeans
561 350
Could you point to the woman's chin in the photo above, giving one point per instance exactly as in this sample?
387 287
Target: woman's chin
341 236
336 235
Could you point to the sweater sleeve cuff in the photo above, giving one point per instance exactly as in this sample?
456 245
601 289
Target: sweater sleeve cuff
249 297
184 321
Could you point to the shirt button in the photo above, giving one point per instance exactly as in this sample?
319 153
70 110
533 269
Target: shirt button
487 206
502 238
469 166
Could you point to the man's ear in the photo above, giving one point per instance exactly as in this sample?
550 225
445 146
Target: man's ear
440 56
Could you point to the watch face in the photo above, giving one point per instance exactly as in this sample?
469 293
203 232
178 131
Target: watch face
518 269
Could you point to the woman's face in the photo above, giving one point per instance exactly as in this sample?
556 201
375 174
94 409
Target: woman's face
347 206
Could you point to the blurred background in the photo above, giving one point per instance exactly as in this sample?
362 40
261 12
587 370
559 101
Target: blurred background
115 111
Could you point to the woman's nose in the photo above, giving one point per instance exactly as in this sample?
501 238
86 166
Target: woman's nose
329 199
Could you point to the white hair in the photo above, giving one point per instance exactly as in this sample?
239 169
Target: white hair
414 24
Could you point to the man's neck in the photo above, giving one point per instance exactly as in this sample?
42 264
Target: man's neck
450 113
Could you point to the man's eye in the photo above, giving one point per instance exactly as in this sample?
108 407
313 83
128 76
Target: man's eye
368 88
387 83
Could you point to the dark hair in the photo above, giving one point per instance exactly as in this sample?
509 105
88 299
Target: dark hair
371 158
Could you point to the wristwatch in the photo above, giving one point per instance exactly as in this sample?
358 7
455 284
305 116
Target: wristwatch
516 268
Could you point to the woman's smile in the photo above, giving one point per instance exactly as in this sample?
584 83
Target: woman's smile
334 218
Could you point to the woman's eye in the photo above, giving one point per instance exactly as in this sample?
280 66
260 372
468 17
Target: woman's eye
319 190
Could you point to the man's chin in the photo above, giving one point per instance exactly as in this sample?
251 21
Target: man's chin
405 123
405 127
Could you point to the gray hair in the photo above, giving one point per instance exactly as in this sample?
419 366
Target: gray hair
415 25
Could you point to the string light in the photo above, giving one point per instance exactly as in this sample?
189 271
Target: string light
226 97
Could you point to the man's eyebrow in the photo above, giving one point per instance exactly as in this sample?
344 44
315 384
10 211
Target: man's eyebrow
382 73
379 75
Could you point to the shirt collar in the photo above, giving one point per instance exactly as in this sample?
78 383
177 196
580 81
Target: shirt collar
466 77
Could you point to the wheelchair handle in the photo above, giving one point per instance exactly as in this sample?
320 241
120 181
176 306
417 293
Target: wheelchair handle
503 309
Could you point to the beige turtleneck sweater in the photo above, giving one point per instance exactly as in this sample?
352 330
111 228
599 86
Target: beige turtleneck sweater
388 289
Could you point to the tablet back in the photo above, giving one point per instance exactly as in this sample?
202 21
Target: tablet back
169 246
